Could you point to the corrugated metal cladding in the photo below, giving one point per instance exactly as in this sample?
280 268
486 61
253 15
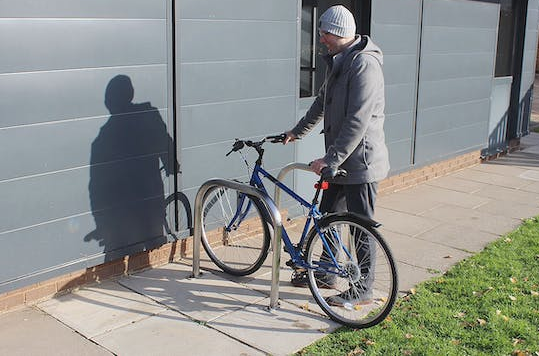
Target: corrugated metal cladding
439 60
395 27
458 46
63 153
238 78
528 66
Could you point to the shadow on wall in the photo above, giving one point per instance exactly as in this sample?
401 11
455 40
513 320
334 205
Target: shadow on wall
126 185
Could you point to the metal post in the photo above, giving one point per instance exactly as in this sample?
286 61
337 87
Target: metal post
272 210
282 173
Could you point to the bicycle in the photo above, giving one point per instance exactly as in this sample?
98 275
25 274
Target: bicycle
351 272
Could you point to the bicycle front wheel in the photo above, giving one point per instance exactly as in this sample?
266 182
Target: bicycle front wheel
235 234
354 276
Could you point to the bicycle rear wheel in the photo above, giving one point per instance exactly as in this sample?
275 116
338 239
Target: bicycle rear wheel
362 291
234 232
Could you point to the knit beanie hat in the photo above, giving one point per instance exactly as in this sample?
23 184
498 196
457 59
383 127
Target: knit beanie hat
338 21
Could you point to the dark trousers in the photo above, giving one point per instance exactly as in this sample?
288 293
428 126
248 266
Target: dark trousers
360 199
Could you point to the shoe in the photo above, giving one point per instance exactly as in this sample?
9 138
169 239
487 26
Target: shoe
350 298
301 280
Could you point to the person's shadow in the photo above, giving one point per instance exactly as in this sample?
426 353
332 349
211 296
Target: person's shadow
126 184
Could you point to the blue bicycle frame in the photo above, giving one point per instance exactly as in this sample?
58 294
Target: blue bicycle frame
313 215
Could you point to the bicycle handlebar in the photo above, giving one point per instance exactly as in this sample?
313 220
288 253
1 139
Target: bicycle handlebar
326 173
239 144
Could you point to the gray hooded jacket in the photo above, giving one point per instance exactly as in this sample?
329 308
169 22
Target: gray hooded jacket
351 102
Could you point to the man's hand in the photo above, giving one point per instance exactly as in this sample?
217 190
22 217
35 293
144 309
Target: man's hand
290 137
317 165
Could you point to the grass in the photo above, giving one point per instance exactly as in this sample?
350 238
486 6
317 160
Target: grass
485 305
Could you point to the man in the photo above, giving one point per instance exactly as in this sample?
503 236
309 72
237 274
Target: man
351 102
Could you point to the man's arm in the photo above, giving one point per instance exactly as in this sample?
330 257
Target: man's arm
311 118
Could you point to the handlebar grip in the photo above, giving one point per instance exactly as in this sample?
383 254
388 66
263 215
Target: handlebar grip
277 139
328 172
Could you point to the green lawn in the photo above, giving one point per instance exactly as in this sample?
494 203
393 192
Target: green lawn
485 305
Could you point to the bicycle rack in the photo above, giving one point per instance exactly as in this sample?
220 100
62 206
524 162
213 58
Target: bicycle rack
282 173
271 209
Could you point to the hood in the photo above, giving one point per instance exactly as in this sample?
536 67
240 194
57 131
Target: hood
363 44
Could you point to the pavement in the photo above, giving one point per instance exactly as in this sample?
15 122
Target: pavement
162 311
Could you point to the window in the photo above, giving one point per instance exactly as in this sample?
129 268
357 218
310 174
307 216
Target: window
308 48
506 36
312 66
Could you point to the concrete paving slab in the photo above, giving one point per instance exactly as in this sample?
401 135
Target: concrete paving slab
509 195
280 332
532 150
474 219
97 309
532 187
401 202
404 223
445 196
457 184
514 209
459 237
499 169
530 174
203 299
421 253
170 333
30 331
490 178
300 297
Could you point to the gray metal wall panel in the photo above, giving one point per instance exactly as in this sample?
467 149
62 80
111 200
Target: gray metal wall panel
205 83
84 9
454 40
254 117
448 66
499 113
460 13
400 155
54 72
395 27
400 98
259 40
530 50
278 10
54 44
217 165
400 124
457 141
393 69
450 92
395 39
41 199
453 84
462 114
238 77
61 246
50 152
39 97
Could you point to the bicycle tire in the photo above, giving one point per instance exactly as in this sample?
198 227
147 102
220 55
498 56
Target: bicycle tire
242 250
365 294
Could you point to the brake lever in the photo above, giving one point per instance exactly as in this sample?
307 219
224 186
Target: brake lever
277 139
238 145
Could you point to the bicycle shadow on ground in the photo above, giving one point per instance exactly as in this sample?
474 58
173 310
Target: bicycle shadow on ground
126 184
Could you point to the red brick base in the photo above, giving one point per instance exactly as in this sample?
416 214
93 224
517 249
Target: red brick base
176 250
421 175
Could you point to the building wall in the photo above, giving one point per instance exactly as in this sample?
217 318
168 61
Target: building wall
238 77
64 160
84 182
